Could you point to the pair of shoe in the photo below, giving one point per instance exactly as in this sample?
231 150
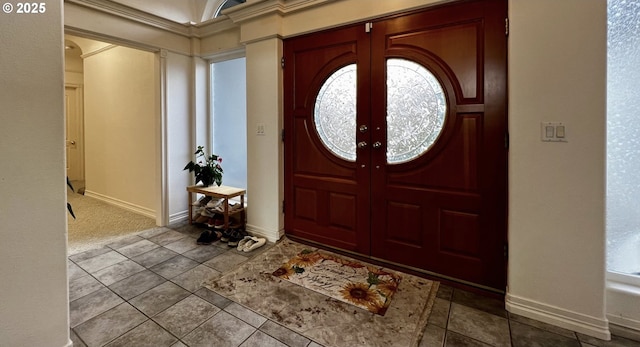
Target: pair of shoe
201 219
216 221
207 213
219 208
233 236
213 205
207 237
203 201
249 243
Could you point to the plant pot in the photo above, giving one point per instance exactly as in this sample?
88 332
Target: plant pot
207 182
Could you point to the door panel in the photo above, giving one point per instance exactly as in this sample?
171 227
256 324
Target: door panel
327 197
460 186
310 154
460 156
452 43
442 211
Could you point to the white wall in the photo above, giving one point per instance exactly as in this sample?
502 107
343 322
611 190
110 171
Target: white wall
265 152
73 64
201 102
33 266
178 131
557 69
120 128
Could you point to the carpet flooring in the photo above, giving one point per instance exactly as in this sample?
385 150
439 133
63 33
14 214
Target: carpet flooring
98 223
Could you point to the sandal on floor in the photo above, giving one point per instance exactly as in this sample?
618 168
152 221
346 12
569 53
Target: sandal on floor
257 243
243 242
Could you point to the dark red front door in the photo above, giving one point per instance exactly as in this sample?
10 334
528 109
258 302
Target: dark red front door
413 171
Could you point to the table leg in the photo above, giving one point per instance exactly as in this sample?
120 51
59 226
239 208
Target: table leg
226 213
190 209
243 216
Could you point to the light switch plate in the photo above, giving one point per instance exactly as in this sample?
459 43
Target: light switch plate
260 129
553 132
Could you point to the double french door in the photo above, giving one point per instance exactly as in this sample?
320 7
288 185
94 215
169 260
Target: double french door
395 145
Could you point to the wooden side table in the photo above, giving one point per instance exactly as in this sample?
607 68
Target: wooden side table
221 192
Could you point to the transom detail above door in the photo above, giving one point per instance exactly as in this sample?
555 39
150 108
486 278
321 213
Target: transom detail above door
416 111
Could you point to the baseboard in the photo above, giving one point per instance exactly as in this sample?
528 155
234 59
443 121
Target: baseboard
147 212
578 322
627 333
178 217
625 322
623 298
270 235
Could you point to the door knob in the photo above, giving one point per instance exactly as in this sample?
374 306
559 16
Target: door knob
362 144
377 144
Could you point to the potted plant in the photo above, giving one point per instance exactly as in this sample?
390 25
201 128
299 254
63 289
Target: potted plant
207 171
68 204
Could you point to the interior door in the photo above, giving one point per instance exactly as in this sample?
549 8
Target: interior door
421 179
73 119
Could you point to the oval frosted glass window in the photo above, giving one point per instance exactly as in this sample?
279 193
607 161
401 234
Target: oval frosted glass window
335 113
416 110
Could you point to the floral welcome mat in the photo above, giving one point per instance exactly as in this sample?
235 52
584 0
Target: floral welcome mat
349 281
320 318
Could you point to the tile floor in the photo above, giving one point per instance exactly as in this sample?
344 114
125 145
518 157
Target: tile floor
146 290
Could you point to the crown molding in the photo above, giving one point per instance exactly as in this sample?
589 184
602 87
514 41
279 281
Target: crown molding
112 40
212 27
251 10
135 15
97 51
231 18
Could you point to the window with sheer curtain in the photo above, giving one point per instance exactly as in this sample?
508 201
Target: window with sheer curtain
229 119
623 137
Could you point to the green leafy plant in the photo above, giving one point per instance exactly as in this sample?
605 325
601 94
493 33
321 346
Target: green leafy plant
207 169
69 208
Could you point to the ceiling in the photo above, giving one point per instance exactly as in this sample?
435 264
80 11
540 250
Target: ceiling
181 11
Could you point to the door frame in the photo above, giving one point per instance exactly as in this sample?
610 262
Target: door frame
162 215
502 191
79 106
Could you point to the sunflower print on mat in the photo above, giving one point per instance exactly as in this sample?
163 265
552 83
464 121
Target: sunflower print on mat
360 294
305 258
284 272
344 279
